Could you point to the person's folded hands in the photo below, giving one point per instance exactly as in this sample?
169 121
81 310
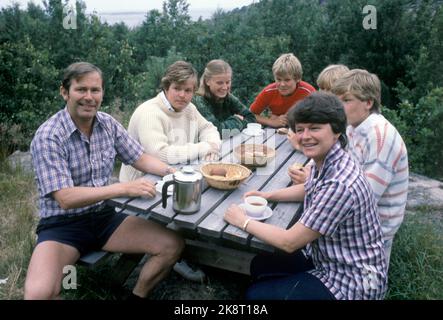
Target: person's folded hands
212 156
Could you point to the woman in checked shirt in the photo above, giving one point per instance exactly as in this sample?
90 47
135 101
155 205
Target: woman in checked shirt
339 230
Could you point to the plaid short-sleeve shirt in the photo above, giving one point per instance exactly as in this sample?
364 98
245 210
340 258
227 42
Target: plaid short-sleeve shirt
63 157
339 204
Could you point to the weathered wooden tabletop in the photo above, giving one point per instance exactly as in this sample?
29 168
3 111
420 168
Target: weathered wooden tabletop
208 223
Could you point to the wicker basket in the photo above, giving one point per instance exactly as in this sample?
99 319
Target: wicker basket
235 175
254 155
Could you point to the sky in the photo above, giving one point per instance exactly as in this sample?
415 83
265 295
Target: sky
141 5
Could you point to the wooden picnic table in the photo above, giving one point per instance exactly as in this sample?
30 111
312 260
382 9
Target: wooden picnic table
210 240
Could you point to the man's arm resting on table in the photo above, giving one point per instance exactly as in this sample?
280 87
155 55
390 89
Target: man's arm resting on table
78 197
150 164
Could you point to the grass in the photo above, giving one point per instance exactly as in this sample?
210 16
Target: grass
18 198
95 284
416 270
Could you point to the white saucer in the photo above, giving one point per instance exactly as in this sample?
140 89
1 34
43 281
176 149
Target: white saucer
266 214
253 134
159 186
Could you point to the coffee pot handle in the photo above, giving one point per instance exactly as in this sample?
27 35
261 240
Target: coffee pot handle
165 192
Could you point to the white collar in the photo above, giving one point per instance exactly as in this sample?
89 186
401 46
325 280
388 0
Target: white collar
166 101
363 127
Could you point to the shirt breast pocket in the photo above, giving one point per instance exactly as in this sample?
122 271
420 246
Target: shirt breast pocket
107 163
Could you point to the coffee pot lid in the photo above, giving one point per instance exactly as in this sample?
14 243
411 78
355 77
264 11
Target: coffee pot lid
187 174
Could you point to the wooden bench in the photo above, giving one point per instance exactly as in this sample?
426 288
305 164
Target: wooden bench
93 258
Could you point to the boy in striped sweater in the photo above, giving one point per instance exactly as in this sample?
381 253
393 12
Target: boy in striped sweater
376 144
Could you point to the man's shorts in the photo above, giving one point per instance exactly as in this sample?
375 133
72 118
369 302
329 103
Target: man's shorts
85 232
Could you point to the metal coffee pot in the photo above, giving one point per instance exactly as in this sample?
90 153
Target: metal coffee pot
186 197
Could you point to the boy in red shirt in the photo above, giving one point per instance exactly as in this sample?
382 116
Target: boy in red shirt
284 93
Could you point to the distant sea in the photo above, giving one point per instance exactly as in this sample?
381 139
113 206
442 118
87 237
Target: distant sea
133 19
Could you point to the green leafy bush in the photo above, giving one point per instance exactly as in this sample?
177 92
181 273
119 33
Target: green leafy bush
421 128
29 90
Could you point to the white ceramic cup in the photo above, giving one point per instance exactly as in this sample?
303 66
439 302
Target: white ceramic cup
254 127
255 206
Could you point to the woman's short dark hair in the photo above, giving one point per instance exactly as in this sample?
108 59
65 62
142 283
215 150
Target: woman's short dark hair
77 70
320 107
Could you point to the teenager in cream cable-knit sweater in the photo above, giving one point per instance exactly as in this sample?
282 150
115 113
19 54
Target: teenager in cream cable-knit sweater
169 126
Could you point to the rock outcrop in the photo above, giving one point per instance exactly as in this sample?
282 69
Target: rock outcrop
424 191
21 160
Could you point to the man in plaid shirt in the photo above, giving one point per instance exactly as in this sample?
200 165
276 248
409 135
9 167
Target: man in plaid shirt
73 156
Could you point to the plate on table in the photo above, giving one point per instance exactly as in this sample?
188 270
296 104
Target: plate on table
252 133
265 215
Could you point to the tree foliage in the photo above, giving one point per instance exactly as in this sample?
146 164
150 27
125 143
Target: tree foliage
420 125
405 50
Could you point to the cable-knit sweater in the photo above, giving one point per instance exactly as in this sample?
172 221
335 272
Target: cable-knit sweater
173 137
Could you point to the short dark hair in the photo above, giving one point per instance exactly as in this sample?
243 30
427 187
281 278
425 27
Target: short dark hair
77 70
320 107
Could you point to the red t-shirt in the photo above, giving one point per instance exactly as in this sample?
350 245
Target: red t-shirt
278 104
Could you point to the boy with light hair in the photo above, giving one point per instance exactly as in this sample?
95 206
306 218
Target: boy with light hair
329 75
285 92
324 82
377 146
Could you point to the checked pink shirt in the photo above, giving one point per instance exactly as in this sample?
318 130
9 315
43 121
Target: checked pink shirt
339 203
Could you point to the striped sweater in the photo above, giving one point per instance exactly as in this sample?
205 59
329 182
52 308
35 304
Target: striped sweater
380 149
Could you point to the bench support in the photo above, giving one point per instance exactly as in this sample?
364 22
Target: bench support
216 256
